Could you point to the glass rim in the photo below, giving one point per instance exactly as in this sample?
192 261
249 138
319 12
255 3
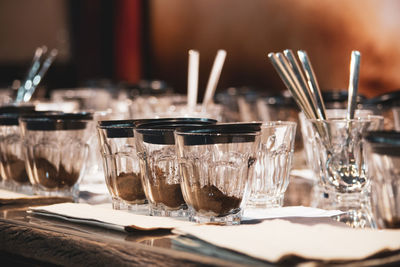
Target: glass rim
383 137
167 123
278 123
51 120
52 124
116 124
136 122
54 116
155 130
217 134
368 118
177 130
222 129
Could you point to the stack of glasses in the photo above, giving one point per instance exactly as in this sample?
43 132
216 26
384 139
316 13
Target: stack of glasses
43 152
194 168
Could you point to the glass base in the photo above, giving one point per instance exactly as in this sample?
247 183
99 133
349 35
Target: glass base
357 207
117 204
358 218
164 211
71 193
265 202
26 189
142 209
327 199
8 185
139 208
231 219
348 201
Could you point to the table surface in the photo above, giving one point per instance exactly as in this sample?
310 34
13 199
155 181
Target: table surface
28 239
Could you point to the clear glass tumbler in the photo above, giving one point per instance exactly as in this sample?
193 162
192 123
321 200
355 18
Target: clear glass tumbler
56 149
215 163
396 118
273 164
308 133
155 143
339 153
384 170
121 163
12 160
339 159
12 163
166 106
339 156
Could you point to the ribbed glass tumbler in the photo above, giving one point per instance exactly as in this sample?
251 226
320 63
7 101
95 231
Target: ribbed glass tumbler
56 149
215 163
155 143
121 164
274 160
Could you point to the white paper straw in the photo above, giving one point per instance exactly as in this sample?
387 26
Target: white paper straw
193 79
214 78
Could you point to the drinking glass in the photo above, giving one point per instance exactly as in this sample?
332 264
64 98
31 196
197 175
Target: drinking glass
93 99
396 118
339 162
56 149
12 163
383 165
215 163
338 153
272 167
308 134
12 160
121 164
155 144
166 106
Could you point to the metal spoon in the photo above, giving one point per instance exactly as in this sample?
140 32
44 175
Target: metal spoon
27 83
312 82
345 163
39 76
290 84
310 96
353 83
286 72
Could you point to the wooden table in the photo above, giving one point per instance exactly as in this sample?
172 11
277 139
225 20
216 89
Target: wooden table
27 239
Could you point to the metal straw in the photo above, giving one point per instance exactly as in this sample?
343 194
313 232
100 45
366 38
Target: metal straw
312 82
278 62
353 83
39 76
310 96
27 83
291 74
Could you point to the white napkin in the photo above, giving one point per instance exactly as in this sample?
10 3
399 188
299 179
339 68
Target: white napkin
99 188
106 217
303 173
9 197
285 212
272 240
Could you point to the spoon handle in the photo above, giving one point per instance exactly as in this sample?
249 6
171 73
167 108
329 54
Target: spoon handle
353 83
312 82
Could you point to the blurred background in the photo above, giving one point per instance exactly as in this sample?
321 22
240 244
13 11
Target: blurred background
128 59
108 42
